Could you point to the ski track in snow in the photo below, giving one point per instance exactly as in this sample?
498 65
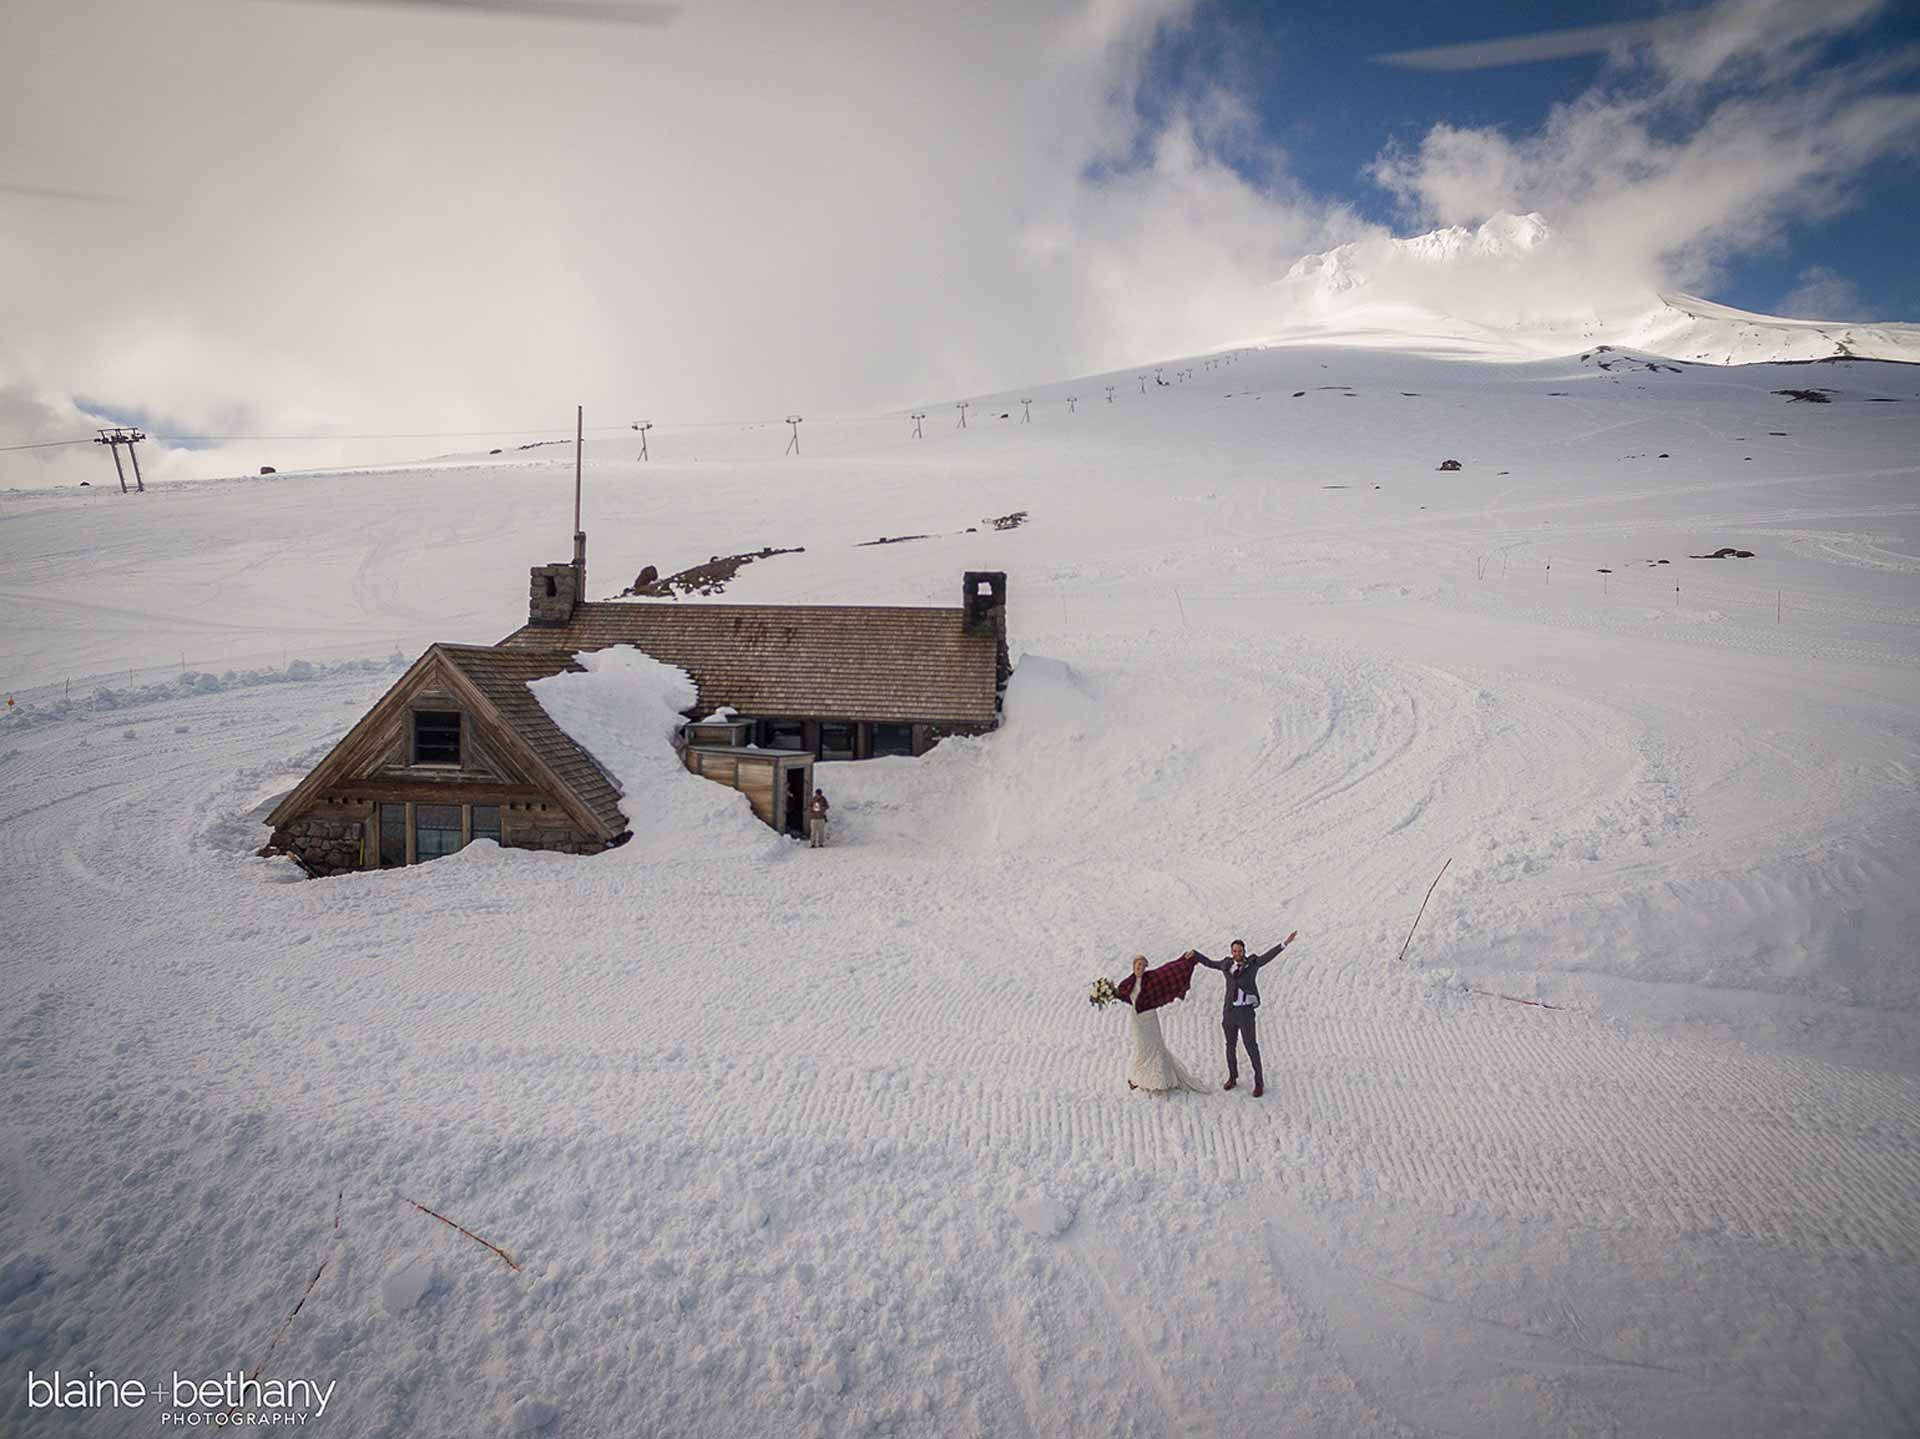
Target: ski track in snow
1672 1202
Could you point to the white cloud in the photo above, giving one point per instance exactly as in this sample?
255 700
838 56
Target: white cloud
1698 145
401 218
1821 294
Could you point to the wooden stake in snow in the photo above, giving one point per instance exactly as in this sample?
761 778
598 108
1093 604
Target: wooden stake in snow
511 1263
1423 906
1513 998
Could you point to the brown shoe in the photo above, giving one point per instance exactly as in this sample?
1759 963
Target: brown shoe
1258 1089
1132 1085
1230 1084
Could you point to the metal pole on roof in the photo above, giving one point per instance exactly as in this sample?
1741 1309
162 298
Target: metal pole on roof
579 533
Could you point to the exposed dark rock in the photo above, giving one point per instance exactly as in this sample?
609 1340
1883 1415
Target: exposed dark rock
708 579
1725 552
1449 464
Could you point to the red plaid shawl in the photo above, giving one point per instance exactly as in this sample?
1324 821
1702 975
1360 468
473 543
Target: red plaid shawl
1160 986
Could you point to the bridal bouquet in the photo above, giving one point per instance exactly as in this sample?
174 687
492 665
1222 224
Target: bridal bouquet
1101 995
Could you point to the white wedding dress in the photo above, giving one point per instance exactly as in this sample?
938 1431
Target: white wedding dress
1154 1068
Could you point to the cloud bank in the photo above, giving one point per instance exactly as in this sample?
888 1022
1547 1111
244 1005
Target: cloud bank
382 219
1700 142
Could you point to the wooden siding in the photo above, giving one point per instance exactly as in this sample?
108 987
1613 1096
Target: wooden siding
755 780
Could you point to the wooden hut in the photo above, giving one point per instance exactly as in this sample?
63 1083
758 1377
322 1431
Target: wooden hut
458 750
776 783
838 682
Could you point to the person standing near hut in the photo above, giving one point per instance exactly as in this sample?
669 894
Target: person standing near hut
817 809
1240 1005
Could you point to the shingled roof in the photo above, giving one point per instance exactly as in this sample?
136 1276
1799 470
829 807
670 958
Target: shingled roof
837 662
502 675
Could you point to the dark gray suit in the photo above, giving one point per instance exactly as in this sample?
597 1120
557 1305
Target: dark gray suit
1237 1020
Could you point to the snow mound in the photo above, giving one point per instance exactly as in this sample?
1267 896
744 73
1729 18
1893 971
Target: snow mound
624 711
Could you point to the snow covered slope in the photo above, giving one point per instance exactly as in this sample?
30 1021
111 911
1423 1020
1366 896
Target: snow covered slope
797 1142
1506 291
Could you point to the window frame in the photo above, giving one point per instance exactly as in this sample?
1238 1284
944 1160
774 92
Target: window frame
459 739
905 728
799 736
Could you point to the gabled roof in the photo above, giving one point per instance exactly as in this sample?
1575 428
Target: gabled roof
492 682
837 662
502 676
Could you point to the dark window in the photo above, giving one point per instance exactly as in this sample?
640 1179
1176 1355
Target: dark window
486 822
892 739
436 830
436 736
393 835
786 734
836 741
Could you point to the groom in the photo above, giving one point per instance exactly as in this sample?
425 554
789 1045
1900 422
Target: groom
1239 1005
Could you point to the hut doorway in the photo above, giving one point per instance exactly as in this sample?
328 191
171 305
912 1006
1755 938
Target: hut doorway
797 798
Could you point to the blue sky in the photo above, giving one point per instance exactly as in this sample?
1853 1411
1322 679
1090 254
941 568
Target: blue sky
1308 75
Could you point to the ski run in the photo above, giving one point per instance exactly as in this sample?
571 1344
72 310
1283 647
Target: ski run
792 1142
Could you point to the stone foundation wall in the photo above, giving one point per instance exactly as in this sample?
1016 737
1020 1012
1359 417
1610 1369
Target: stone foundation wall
324 845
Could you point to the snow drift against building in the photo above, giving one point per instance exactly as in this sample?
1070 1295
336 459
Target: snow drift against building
623 710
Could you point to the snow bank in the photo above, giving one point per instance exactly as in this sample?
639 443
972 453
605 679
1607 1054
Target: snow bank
624 711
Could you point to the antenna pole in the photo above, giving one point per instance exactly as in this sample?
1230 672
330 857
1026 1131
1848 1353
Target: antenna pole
579 534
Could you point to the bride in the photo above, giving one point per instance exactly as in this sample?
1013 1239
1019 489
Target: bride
1154 1068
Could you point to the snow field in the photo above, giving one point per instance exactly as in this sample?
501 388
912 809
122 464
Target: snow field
830 1142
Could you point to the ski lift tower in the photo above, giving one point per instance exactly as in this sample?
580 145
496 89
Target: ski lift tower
113 439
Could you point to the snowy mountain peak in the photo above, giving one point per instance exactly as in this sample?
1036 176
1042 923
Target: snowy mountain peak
1511 289
1349 267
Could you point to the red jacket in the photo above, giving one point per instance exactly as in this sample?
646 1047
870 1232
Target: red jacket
1159 986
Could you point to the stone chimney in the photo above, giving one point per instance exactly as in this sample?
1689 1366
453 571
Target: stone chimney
984 599
552 593
984 596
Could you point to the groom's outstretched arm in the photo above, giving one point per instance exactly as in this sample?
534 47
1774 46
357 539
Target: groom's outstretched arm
1260 959
1265 955
1219 964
